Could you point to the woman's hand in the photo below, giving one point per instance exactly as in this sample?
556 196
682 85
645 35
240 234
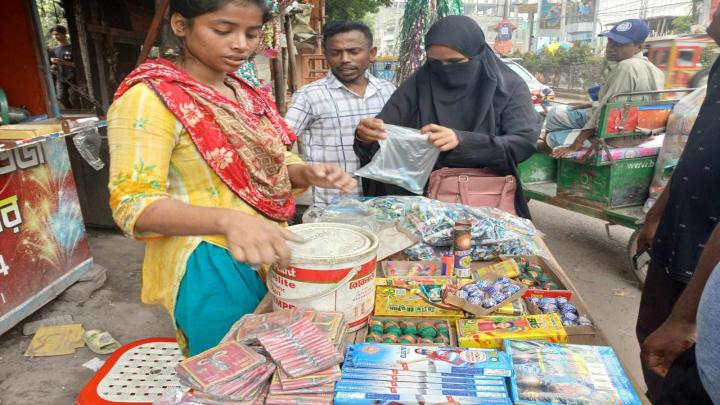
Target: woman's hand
328 175
443 138
254 240
371 130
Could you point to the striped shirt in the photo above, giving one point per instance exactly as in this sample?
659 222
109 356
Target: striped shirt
324 114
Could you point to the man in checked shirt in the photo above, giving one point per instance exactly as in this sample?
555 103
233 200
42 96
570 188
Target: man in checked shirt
325 113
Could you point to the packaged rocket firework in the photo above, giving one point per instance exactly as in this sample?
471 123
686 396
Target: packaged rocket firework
300 349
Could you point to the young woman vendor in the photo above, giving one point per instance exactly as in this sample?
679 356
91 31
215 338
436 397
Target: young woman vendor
200 170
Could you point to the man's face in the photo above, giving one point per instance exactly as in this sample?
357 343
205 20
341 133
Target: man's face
349 55
59 36
617 52
713 30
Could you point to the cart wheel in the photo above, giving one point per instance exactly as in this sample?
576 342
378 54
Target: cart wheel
640 267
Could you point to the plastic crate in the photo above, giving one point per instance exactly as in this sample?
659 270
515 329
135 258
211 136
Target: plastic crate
137 373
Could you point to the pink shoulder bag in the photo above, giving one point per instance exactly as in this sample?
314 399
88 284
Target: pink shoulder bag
473 187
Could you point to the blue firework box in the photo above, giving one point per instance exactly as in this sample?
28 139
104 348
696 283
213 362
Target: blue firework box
464 390
551 373
367 398
377 374
454 360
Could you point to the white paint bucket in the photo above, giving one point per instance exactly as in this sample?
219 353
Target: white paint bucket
334 270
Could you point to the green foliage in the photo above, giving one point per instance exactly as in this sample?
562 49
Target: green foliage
708 56
575 67
51 13
682 25
353 10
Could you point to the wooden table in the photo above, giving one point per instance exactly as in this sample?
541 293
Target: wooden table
599 339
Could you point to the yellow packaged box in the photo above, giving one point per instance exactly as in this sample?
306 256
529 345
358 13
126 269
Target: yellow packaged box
413 297
490 331
514 308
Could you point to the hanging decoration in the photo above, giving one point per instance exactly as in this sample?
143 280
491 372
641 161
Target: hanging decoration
503 44
418 17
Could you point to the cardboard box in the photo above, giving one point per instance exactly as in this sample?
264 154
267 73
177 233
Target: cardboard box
402 268
576 334
449 297
362 334
402 297
546 268
490 332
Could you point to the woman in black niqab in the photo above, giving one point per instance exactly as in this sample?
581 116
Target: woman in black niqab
478 111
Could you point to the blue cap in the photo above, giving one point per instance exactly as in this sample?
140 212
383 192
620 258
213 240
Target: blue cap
628 31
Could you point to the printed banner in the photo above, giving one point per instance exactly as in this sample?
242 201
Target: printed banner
550 13
42 235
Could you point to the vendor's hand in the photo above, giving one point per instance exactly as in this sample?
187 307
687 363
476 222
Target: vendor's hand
328 175
371 130
256 241
443 138
647 233
55 60
663 346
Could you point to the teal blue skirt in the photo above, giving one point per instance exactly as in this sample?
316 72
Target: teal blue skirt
214 293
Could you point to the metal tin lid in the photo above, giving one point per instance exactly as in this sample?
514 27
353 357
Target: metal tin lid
331 241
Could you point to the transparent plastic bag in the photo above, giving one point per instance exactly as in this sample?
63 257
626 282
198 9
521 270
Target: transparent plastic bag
678 129
88 143
405 159
346 211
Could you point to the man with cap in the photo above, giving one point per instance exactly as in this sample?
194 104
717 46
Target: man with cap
569 130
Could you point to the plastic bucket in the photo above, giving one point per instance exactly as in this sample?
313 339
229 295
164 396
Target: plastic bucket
334 270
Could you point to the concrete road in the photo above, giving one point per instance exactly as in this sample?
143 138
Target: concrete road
594 261
598 266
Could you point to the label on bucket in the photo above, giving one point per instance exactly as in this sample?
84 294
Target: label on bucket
356 299
332 270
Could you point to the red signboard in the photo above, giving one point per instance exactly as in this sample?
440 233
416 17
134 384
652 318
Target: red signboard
42 235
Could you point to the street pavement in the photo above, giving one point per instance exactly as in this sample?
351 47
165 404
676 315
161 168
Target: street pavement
594 261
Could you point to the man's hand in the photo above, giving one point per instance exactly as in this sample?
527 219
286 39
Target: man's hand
443 138
371 130
663 346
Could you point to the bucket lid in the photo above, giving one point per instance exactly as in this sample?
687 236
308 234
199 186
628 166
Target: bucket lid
331 241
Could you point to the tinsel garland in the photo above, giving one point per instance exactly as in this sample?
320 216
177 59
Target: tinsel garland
418 17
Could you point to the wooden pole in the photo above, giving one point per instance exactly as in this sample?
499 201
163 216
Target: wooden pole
292 62
153 31
279 83
81 23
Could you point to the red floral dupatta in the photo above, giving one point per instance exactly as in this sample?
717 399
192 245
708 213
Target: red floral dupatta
244 143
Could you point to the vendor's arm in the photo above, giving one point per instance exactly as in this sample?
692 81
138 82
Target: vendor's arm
142 134
517 140
678 333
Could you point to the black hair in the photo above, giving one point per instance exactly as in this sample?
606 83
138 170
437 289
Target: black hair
58 28
339 27
195 8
